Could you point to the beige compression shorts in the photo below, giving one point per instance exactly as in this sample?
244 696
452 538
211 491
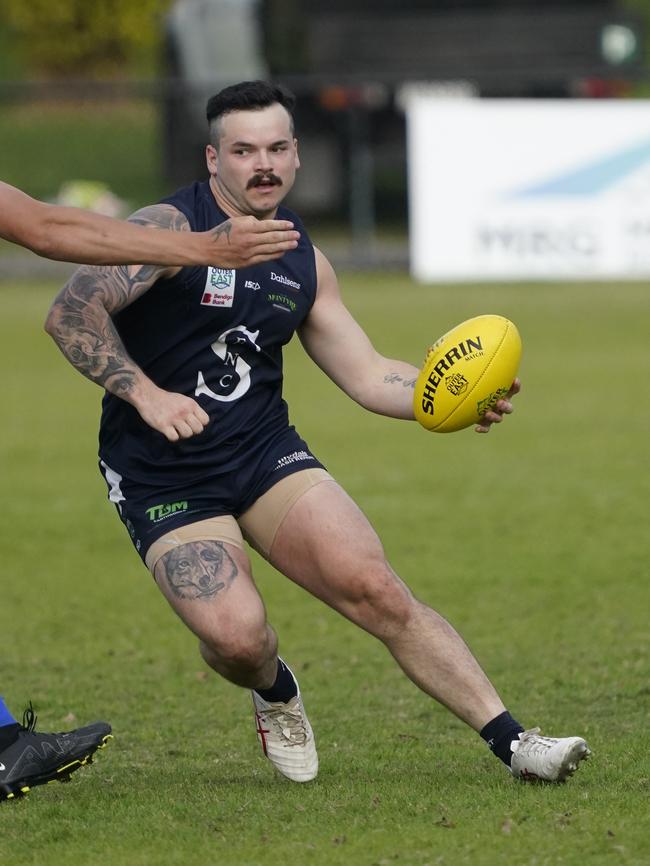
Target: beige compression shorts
258 525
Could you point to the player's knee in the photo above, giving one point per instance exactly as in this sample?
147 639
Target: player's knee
246 648
381 602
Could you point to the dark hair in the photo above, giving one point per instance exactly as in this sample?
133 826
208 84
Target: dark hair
248 96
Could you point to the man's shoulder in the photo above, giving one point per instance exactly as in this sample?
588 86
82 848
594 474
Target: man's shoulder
197 203
305 244
285 213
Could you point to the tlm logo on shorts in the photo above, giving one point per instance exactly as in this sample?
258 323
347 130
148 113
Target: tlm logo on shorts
158 512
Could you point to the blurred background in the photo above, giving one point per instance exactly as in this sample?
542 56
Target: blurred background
102 103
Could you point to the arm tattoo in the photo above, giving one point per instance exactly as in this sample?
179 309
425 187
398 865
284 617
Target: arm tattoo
80 317
394 378
84 330
161 216
199 570
222 229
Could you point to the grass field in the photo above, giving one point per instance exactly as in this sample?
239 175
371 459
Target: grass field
533 541
116 143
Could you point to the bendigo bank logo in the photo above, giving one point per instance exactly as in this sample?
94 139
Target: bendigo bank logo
456 383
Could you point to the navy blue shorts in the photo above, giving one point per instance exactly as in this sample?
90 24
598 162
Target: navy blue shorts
149 512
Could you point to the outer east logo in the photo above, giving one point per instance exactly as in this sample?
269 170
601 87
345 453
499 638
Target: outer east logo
221 278
219 287
456 384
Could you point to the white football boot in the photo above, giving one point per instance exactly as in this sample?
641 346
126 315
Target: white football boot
286 737
546 759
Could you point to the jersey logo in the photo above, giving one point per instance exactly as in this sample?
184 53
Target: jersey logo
292 285
282 302
219 288
233 374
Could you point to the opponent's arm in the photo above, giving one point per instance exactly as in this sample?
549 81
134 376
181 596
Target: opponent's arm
80 323
340 347
73 234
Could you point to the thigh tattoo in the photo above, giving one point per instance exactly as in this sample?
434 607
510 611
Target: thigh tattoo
200 569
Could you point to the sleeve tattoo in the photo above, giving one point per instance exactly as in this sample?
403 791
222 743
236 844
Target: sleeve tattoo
80 317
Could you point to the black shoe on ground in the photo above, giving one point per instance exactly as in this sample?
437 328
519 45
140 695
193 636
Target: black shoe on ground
35 759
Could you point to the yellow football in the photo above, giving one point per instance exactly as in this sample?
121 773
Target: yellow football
465 372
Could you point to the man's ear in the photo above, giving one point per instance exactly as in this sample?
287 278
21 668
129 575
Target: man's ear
211 156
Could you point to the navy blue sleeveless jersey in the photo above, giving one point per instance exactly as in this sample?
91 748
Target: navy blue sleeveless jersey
215 335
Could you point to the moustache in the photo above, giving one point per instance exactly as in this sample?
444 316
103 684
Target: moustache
257 179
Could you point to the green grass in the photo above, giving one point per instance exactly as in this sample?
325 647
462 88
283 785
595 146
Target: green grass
532 540
44 145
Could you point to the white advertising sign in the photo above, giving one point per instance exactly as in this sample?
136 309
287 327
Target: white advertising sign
528 189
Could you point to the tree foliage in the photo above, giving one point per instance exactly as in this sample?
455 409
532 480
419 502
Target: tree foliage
86 38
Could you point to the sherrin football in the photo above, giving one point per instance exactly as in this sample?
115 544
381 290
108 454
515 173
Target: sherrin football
465 372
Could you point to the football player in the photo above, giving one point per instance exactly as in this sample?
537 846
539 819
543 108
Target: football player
198 453
27 757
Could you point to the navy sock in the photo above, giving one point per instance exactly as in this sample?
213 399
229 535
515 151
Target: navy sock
499 733
283 689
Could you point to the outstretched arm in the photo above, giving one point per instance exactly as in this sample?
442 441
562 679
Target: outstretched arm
340 347
76 235
80 323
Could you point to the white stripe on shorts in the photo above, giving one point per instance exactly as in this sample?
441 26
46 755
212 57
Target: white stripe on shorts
113 479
